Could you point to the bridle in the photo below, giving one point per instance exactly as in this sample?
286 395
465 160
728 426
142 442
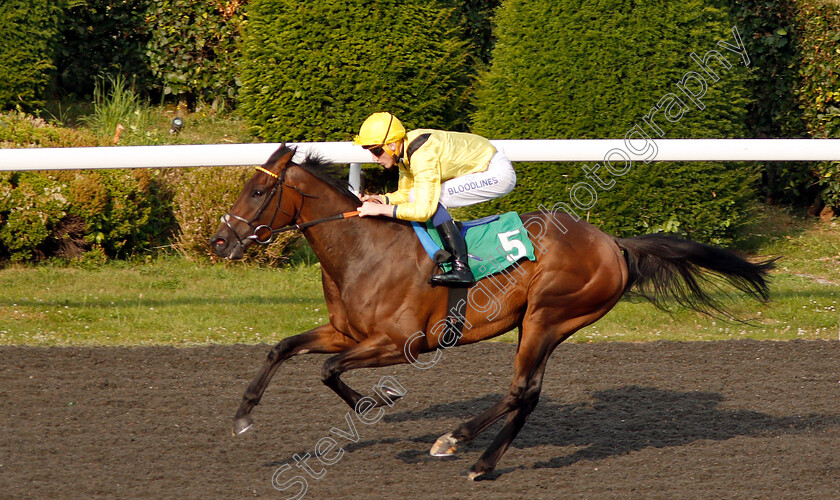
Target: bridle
266 230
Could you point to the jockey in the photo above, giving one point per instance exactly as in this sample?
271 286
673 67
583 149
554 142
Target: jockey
438 170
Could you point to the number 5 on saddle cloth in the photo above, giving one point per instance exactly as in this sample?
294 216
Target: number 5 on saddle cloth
494 243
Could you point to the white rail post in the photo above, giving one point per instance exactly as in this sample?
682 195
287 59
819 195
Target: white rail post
355 178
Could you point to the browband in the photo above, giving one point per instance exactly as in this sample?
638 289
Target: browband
267 172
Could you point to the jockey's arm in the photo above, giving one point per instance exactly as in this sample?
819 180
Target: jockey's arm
426 186
404 185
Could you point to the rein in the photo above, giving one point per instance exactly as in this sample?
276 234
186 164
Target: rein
299 227
264 233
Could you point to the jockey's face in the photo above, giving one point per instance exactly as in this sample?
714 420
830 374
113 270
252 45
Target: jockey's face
382 156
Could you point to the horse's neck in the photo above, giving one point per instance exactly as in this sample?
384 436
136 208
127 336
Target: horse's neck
345 246
353 249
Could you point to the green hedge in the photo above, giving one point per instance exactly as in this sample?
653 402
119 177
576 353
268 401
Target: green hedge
770 28
28 30
818 23
566 70
476 25
188 49
795 79
315 70
774 79
194 48
102 37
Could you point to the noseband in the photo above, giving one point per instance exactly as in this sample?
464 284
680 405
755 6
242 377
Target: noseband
267 230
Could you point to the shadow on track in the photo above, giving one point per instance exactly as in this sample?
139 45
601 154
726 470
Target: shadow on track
617 421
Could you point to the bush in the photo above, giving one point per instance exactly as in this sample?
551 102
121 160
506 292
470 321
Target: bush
28 29
67 213
31 207
315 71
193 51
19 130
201 196
601 67
124 211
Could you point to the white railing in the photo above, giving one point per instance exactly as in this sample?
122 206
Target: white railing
345 152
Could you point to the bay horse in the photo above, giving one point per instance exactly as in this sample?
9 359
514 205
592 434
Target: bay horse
375 271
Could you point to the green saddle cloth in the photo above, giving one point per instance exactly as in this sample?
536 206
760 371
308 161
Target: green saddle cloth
493 243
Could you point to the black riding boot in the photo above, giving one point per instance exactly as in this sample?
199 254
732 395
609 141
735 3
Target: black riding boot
460 276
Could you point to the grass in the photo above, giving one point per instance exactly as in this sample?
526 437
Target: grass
166 301
172 301
116 104
801 309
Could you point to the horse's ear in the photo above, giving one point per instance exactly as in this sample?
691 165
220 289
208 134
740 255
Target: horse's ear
281 157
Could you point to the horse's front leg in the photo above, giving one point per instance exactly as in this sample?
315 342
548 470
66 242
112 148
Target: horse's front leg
373 352
323 339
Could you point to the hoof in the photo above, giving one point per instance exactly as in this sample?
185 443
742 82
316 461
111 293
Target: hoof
392 393
241 425
474 475
444 446
387 396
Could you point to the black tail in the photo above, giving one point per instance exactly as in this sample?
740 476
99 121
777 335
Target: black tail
664 268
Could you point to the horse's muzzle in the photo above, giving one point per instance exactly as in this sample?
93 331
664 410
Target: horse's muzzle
229 248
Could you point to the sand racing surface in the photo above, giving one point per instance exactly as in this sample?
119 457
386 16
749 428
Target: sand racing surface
733 419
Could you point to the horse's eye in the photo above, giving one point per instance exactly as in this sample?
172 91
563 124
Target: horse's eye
258 193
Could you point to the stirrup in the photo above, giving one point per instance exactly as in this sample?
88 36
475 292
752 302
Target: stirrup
456 278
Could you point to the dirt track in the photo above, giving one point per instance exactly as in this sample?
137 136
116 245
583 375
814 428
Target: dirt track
660 420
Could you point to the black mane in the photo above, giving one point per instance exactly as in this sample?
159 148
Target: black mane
334 175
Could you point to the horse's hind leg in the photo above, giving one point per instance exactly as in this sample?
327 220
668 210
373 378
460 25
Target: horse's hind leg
521 400
323 339
536 344
528 399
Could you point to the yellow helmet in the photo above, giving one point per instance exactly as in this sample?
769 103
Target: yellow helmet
380 129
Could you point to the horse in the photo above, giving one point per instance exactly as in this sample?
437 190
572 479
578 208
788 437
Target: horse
382 311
